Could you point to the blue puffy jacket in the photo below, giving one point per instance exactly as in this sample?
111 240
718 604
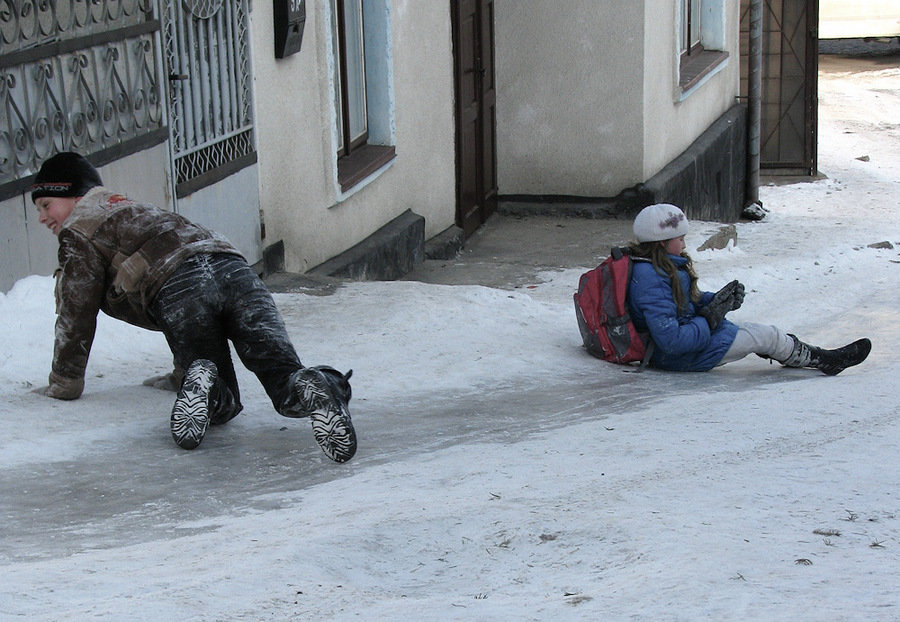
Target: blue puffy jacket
683 341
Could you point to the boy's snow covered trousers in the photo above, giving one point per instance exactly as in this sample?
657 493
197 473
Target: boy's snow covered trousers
211 299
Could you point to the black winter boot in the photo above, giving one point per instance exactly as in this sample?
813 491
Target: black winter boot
322 393
190 414
223 407
830 362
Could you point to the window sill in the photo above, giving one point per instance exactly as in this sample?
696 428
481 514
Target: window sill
699 65
361 163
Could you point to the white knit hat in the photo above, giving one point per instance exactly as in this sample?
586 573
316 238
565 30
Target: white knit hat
661 221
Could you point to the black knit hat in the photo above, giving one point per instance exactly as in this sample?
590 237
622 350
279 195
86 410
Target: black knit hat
66 174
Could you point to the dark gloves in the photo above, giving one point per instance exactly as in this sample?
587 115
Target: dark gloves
738 295
726 299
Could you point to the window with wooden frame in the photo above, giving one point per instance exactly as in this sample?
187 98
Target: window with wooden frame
701 40
690 27
358 154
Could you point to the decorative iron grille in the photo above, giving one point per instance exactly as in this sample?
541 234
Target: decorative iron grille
75 75
207 52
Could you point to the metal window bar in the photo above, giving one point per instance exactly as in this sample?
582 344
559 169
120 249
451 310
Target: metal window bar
75 75
209 59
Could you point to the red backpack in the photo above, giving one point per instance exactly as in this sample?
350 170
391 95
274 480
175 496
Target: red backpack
602 313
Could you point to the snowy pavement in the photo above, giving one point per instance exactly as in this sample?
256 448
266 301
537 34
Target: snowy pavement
502 474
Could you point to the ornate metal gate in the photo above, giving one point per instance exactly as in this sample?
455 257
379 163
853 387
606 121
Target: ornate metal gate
208 60
75 75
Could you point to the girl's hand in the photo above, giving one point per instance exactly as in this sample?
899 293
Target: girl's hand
721 303
738 295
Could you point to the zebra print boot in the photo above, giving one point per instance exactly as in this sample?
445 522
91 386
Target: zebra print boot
190 414
323 394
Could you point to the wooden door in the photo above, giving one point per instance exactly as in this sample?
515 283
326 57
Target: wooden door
476 159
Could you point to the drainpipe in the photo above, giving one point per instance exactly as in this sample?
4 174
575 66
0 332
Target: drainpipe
754 101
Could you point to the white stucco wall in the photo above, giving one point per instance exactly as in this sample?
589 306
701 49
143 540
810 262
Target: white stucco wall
672 119
229 207
568 80
14 241
299 195
588 102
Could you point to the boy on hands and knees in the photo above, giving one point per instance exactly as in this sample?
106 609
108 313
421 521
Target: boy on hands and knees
157 270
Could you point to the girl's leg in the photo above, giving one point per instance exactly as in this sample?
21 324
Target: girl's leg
762 339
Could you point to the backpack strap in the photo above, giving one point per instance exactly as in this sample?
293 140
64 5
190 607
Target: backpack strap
645 362
618 253
647 354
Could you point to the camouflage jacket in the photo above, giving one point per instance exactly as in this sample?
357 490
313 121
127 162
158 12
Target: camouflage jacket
114 255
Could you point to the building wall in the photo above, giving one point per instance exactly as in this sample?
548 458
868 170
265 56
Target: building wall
587 105
841 19
299 196
299 199
568 77
673 119
588 102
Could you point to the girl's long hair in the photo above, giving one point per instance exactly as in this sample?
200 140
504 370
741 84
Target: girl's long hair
659 258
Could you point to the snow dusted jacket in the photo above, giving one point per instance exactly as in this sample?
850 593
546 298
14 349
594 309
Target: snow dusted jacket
683 339
114 255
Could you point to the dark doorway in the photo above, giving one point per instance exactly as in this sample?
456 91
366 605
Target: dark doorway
476 156
790 64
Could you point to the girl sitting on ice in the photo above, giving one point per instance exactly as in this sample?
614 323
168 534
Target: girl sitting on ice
687 326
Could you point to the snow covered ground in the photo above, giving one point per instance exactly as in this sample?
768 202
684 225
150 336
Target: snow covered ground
503 474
